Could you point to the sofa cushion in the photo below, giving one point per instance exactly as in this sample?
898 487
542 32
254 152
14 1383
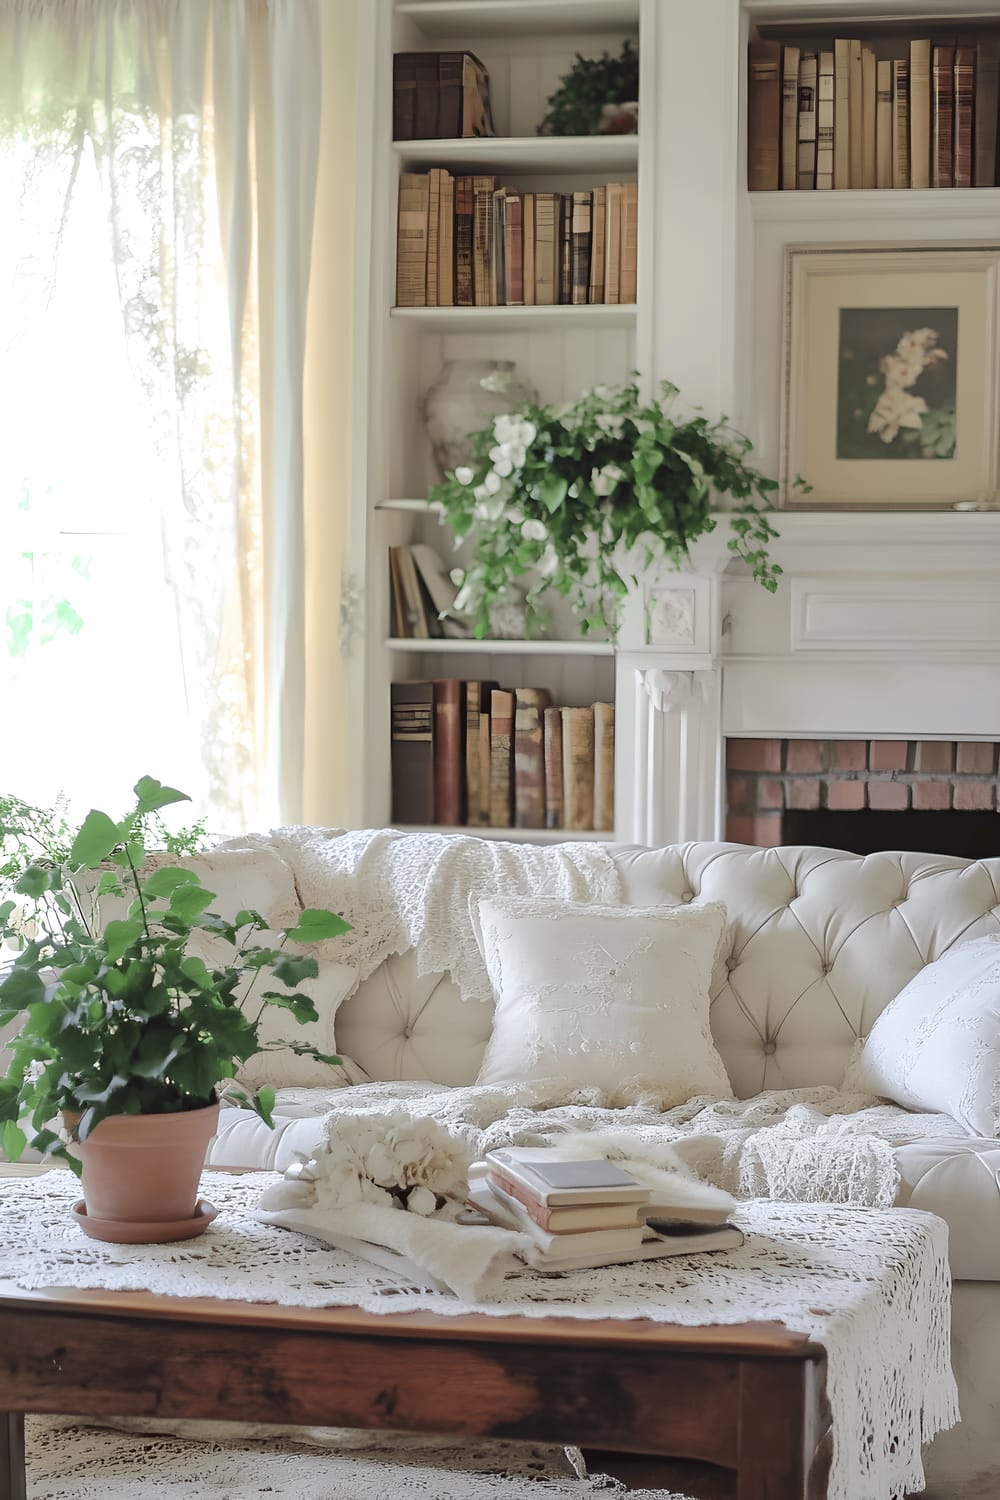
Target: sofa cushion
602 997
959 1180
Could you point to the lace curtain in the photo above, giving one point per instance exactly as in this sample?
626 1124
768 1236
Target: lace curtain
202 119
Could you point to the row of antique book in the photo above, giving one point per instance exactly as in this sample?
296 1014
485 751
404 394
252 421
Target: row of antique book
465 242
473 754
440 94
847 118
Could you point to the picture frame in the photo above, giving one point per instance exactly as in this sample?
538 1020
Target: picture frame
890 377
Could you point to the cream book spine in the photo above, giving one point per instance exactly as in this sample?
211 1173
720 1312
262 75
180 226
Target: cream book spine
841 114
789 116
901 123
883 125
824 122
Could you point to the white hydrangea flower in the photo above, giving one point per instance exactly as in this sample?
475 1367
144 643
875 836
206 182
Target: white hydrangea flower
610 423
548 563
514 515
574 490
464 474
457 576
491 484
500 458
603 481
490 509
535 531
503 427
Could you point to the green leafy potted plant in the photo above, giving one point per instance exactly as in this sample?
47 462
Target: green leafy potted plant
578 498
125 1030
593 83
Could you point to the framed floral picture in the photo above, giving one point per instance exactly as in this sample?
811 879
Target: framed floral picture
890 376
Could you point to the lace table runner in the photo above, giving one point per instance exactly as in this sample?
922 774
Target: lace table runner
870 1285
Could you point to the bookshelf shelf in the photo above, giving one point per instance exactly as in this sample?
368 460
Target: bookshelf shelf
594 155
474 18
845 12
517 319
412 507
519 835
933 204
440 646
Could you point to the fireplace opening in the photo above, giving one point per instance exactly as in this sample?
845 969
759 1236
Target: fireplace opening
926 796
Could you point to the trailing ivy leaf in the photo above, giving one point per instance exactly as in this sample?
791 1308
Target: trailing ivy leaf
21 988
166 880
291 969
152 795
119 937
13 1139
301 1007
196 969
34 881
264 1104
315 925
188 901
95 840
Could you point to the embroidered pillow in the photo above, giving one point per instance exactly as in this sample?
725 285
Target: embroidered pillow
599 997
937 1045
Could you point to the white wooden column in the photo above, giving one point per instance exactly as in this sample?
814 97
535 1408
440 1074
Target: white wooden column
670 754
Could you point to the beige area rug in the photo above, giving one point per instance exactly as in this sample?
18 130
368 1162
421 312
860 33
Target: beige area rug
70 1461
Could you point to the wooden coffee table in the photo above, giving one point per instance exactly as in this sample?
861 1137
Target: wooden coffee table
750 1398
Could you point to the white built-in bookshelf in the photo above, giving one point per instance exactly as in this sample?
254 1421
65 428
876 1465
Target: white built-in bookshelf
708 314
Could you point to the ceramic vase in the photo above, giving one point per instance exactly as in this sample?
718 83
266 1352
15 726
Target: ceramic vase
466 396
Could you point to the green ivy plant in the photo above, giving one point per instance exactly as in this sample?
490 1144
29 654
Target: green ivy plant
120 1017
580 498
575 107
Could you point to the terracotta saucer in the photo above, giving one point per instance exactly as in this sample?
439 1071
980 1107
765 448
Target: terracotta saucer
119 1232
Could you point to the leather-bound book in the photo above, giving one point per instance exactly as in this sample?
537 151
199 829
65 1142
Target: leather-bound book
824 122
449 752
901 123
578 767
629 287
546 230
414 603
883 124
965 82
499 277
465 295
404 96
943 118
985 159
399 625
581 231
449 111
477 706
483 188
426 125
869 118
411 240
789 116
501 759
552 761
604 767
566 248
856 132
528 248
485 760
806 172
529 761
595 290
613 243
412 751
433 231
446 242
764 116
514 249
841 113
920 114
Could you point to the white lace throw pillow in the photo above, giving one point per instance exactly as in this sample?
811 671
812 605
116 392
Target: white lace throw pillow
607 997
936 1046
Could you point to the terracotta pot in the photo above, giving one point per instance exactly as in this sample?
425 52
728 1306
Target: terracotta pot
145 1169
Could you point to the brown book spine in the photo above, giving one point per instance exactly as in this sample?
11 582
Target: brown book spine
427 96
578 767
764 116
789 116
449 752
546 229
581 231
807 117
869 118
552 762
404 96
514 249
842 113
965 82
568 1220
595 289
883 125
824 122
629 286
465 295
528 248
446 242
449 113
485 760
417 622
499 248
433 233
604 767
412 751
985 112
856 142
901 123
943 118
613 244
501 759
477 710
482 240
920 114
398 623
411 240
566 248
477 112
529 768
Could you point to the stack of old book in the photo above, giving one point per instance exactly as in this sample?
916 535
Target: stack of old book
472 754
440 94
465 242
909 113
582 1213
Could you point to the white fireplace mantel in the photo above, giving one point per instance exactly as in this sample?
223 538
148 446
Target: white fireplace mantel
884 626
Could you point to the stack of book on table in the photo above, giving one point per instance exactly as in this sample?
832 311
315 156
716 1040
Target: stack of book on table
586 1213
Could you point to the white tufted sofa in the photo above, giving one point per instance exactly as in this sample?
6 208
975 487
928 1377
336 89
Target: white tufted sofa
819 941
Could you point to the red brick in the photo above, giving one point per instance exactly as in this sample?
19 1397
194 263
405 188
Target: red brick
753 755
887 755
770 794
845 796
932 796
767 832
977 759
888 796
739 830
849 755
738 794
804 755
974 796
935 755
803 791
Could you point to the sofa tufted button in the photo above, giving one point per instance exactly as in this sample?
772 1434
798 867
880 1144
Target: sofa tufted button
770 1048
407 1033
731 962
827 967
688 896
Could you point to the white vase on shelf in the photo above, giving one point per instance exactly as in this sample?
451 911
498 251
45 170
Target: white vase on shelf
467 394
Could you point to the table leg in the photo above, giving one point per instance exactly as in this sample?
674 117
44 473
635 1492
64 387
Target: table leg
13 1485
779 1408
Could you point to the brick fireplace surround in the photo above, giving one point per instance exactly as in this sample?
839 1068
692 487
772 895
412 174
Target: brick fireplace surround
764 777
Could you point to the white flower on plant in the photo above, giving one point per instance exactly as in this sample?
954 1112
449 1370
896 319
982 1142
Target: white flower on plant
464 474
574 490
602 392
465 599
643 425
548 563
501 460
610 423
603 481
514 515
490 509
535 531
457 576
491 484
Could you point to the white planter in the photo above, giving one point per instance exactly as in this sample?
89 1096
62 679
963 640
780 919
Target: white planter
467 394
